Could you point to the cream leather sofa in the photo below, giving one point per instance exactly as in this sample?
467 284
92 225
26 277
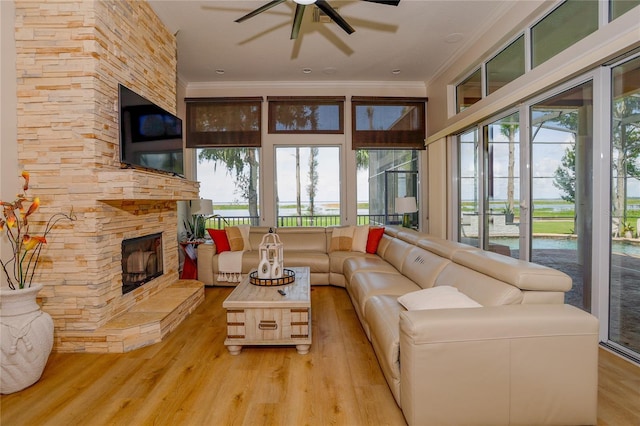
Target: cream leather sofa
523 357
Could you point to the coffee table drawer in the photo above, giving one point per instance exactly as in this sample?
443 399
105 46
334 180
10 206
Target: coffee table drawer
268 325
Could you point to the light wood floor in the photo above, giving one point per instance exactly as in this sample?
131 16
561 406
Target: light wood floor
190 379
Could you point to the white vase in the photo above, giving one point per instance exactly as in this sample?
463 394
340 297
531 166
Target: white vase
26 335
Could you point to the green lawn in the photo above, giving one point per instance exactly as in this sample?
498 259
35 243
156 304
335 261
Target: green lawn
553 227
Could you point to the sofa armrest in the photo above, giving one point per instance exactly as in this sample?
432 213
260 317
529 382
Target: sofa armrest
512 364
205 263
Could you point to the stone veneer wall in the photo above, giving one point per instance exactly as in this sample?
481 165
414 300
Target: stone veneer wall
71 55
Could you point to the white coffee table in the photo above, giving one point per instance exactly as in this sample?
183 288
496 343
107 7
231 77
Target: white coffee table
260 315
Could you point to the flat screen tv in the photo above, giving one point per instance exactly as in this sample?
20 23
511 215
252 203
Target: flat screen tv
150 137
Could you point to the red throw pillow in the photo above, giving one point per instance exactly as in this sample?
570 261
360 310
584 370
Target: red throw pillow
219 237
375 235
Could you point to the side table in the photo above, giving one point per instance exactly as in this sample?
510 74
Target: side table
190 267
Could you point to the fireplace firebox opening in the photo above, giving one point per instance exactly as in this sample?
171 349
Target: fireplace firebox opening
141 261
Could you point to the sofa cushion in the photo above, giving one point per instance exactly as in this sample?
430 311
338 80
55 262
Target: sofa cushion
341 238
338 258
373 239
303 238
367 284
422 266
316 261
360 237
522 274
442 247
383 316
482 288
219 237
369 263
384 244
396 252
441 297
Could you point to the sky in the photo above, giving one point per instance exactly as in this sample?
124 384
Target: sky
219 185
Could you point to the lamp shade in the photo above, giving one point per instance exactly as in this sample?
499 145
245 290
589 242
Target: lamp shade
202 207
406 205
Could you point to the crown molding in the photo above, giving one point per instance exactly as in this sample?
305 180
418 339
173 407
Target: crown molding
399 85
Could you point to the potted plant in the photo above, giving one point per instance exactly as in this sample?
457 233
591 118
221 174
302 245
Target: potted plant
627 229
26 334
508 214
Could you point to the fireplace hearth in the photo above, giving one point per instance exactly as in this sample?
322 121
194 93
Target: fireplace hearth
141 261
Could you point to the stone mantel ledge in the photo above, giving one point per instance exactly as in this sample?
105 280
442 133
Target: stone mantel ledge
135 184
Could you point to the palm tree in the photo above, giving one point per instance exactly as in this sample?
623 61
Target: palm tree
312 188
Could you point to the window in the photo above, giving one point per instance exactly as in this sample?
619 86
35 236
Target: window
383 175
469 91
223 122
397 123
306 115
229 177
308 186
469 181
570 22
618 8
506 66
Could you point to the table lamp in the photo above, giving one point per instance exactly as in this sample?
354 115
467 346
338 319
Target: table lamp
199 208
405 206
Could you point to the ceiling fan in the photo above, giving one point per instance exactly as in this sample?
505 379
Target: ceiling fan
323 5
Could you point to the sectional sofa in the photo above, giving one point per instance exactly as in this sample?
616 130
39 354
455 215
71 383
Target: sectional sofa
462 335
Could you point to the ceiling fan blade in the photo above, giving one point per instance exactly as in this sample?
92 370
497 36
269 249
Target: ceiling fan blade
388 2
260 10
297 21
335 16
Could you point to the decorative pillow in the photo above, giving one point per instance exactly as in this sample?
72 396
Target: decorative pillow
360 237
375 235
341 238
244 231
441 297
219 237
236 242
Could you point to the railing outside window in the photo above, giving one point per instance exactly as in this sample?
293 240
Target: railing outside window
288 221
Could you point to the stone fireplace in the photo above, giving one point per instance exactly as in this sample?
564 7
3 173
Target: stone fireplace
70 57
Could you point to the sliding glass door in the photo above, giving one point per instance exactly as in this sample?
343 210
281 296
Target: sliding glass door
562 187
502 185
624 282
552 195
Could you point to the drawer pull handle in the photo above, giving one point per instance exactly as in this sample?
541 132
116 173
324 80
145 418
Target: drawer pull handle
268 325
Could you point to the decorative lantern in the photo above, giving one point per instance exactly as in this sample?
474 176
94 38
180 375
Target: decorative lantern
271 257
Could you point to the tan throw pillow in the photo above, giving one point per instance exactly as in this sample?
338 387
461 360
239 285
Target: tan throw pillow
360 237
236 242
341 239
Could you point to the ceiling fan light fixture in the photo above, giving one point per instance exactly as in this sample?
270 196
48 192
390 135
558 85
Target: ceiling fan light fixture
323 5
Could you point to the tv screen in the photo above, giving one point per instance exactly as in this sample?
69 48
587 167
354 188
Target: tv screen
150 137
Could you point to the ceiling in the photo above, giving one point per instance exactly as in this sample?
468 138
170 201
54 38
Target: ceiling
410 42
